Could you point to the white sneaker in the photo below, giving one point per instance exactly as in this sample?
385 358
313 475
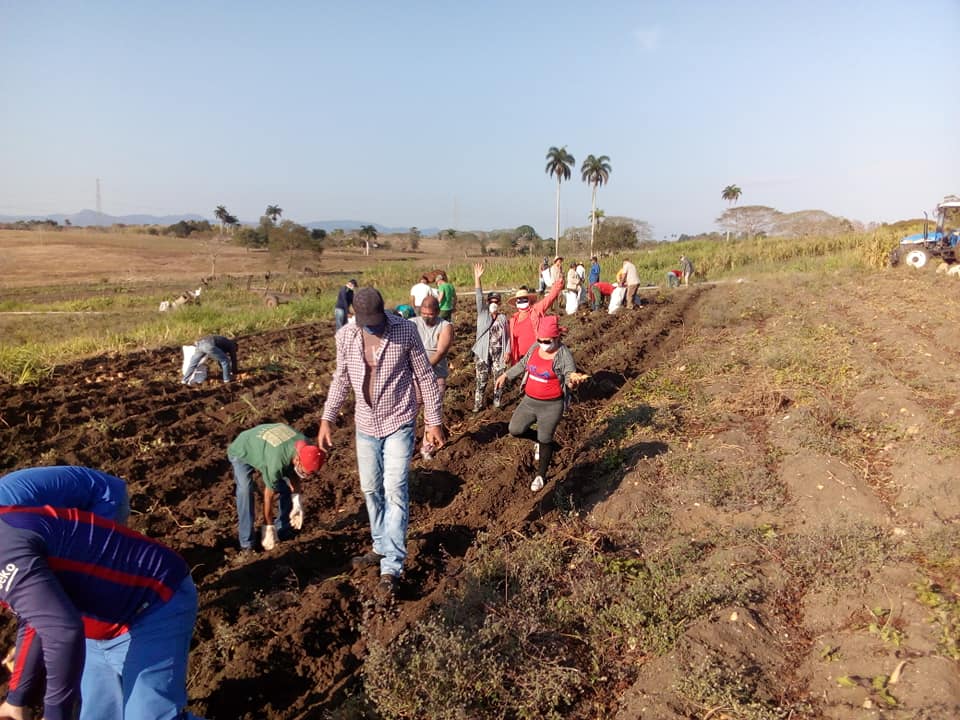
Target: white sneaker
537 484
536 452
268 537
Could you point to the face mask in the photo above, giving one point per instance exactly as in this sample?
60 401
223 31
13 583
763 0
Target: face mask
493 307
375 329
547 346
523 304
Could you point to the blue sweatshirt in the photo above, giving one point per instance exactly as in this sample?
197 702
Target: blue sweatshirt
69 574
65 486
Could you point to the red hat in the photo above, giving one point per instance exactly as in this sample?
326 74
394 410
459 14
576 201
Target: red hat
549 328
311 457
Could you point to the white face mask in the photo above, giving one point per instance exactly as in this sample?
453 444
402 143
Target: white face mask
547 346
493 307
523 304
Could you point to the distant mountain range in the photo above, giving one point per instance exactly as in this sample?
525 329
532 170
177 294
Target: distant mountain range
86 218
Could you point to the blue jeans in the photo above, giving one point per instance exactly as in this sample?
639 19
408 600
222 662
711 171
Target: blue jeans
383 465
142 675
243 476
340 316
207 348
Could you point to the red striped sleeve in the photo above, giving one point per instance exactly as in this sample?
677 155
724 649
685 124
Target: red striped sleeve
115 576
29 635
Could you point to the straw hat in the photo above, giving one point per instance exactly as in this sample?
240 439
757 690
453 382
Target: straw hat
522 294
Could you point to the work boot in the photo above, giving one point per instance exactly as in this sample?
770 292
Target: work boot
370 559
387 587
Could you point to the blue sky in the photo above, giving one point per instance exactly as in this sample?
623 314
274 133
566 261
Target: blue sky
439 114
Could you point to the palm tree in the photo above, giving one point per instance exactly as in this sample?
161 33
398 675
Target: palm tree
596 172
273 212
731 193
596 216
450 233
369 234
221 214
558 165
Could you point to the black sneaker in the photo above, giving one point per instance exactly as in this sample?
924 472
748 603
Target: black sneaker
370 559
387 587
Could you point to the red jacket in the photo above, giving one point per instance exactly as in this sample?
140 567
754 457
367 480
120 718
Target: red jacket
523 330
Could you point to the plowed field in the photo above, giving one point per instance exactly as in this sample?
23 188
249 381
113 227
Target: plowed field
285 635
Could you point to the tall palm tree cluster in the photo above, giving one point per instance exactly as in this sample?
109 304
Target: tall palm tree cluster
595 171
225 218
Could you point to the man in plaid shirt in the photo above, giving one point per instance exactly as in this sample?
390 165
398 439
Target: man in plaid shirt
382 358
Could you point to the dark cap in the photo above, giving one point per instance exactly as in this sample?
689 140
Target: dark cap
351 281
368 306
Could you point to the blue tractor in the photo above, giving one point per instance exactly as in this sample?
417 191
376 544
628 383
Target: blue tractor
919 249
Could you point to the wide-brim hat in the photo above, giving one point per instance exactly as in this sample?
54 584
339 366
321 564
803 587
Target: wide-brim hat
522 294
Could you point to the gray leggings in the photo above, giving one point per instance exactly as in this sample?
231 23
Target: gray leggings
546 414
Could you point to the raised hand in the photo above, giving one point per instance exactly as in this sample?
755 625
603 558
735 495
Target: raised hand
477 271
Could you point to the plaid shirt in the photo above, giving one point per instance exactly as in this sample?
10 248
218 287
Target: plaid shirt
402 367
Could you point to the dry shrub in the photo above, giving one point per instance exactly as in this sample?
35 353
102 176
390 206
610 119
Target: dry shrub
545 623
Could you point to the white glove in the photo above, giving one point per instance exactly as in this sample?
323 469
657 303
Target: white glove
296 514
268 537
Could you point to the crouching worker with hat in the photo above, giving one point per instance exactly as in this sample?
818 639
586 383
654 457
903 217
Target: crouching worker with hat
549 372
283 457
104 614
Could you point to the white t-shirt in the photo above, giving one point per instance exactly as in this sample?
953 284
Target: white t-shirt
581 271
419 293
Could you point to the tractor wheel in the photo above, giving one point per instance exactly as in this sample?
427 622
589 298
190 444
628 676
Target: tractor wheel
917 258
271 301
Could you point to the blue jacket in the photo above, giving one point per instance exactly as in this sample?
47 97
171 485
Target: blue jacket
69 575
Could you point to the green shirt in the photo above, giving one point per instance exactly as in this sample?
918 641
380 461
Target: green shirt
449 296
269 448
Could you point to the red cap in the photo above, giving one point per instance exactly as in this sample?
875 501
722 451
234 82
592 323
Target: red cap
549 327
311 457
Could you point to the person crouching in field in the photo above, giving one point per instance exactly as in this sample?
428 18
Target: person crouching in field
549 373
221 349
283 457
104 614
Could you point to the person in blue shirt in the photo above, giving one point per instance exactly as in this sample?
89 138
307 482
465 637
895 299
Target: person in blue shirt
593 279
105 617
344 301
68 486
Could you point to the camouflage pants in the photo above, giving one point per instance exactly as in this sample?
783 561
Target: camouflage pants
484 367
